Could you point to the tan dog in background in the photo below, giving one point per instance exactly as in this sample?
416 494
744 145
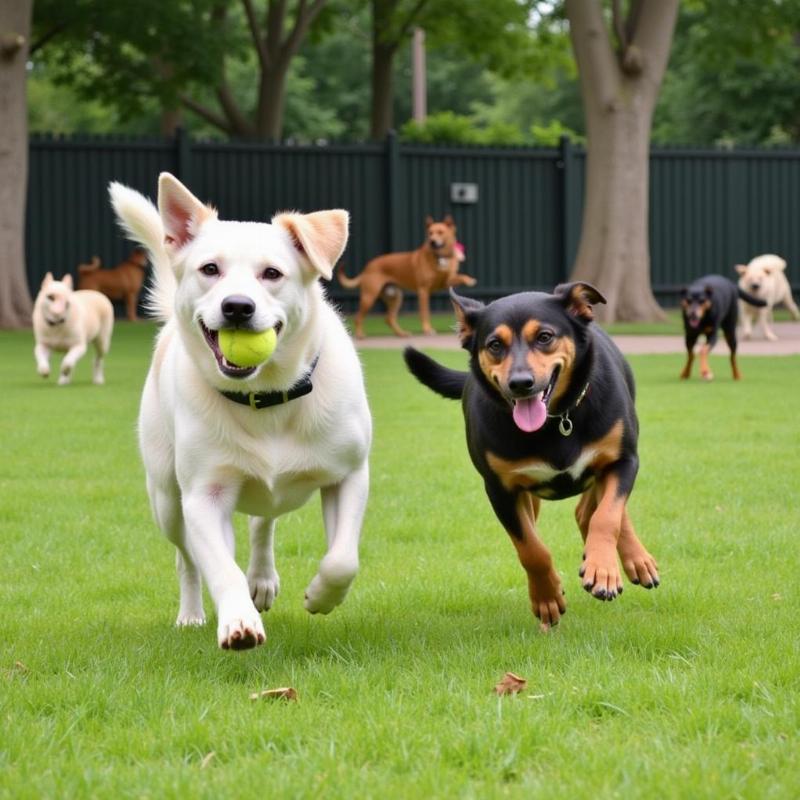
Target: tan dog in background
123 282
68 321
433 266
765 278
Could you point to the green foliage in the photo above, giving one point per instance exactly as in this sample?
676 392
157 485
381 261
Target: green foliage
449 128
689 691
551 134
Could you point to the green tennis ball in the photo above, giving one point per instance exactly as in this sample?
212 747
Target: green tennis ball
247 348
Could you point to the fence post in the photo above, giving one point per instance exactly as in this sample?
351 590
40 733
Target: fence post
570 211
392 189
183 155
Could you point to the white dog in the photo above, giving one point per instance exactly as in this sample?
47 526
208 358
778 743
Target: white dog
68 322
217 438
764 277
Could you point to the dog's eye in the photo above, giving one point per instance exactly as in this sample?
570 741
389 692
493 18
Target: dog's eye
210 269
544 337
51 297
271 274
495 347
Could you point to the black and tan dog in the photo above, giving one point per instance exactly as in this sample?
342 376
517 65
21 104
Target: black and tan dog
711 303
549 410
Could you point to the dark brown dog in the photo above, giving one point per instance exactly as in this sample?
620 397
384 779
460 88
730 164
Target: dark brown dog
123 282
433 266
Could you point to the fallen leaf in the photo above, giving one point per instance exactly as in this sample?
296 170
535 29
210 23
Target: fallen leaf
286 693
511 684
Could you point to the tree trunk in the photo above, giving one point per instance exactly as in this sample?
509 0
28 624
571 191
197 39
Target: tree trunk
381 115
15 28
271 103
619 94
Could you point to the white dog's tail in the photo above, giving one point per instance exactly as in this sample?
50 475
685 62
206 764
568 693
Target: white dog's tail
140 220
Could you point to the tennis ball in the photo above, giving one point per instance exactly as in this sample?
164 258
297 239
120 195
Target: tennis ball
247 348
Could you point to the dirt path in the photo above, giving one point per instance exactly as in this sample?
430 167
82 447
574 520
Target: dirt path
788 343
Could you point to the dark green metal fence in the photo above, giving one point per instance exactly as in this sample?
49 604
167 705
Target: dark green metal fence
518 210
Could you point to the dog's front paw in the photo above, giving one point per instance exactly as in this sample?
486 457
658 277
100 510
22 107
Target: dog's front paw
43 371
641 568
263 589
707 375
770 336
601 577
329 586
240 626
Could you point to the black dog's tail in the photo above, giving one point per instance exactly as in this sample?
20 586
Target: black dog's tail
447 382
748 298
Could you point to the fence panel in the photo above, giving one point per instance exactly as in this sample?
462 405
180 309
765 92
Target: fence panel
709 209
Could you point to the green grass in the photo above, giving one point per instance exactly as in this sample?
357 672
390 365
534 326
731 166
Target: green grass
690 691
443 322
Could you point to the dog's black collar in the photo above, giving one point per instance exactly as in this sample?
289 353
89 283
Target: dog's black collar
565 425
257 400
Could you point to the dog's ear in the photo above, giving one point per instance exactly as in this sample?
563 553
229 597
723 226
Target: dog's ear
449 221
67 280
319 237
182 213
467 313
578 298
709 289
741 269
47 280
428 221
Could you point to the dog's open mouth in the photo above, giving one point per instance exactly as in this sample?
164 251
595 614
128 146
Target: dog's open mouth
530 413
228 368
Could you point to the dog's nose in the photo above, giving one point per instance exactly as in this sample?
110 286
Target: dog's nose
237 308
521 384
754 287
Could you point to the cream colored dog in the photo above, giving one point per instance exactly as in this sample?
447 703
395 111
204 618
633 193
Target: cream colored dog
217 437
68 322
765 278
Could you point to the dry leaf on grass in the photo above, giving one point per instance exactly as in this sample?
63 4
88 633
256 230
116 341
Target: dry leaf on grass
285 693
511 684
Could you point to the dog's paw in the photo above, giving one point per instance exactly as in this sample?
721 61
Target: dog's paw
190 619
329 586
770 336
240 626
708 375
547 599
263 589
43 371
641 569
601 577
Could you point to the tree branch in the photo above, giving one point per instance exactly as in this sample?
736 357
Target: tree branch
255 33
238 122
303 22
46 37
276 14
405 27
207 114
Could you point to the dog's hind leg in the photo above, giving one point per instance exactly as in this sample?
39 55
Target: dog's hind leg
262 578
639 565
518 516
730 338
424 298
392 296
343 511
167 511
102 344
370 291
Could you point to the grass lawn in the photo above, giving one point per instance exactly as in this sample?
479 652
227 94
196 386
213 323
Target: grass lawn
689 691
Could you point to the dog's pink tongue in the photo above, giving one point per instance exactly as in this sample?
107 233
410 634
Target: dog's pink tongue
530 414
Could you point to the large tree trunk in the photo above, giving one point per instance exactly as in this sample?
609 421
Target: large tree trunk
271 103
619 92
381 115
15 27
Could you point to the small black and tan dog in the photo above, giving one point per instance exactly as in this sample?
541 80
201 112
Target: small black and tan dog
708 304
549 410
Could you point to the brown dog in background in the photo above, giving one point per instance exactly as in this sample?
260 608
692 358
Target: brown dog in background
433 266
123 282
